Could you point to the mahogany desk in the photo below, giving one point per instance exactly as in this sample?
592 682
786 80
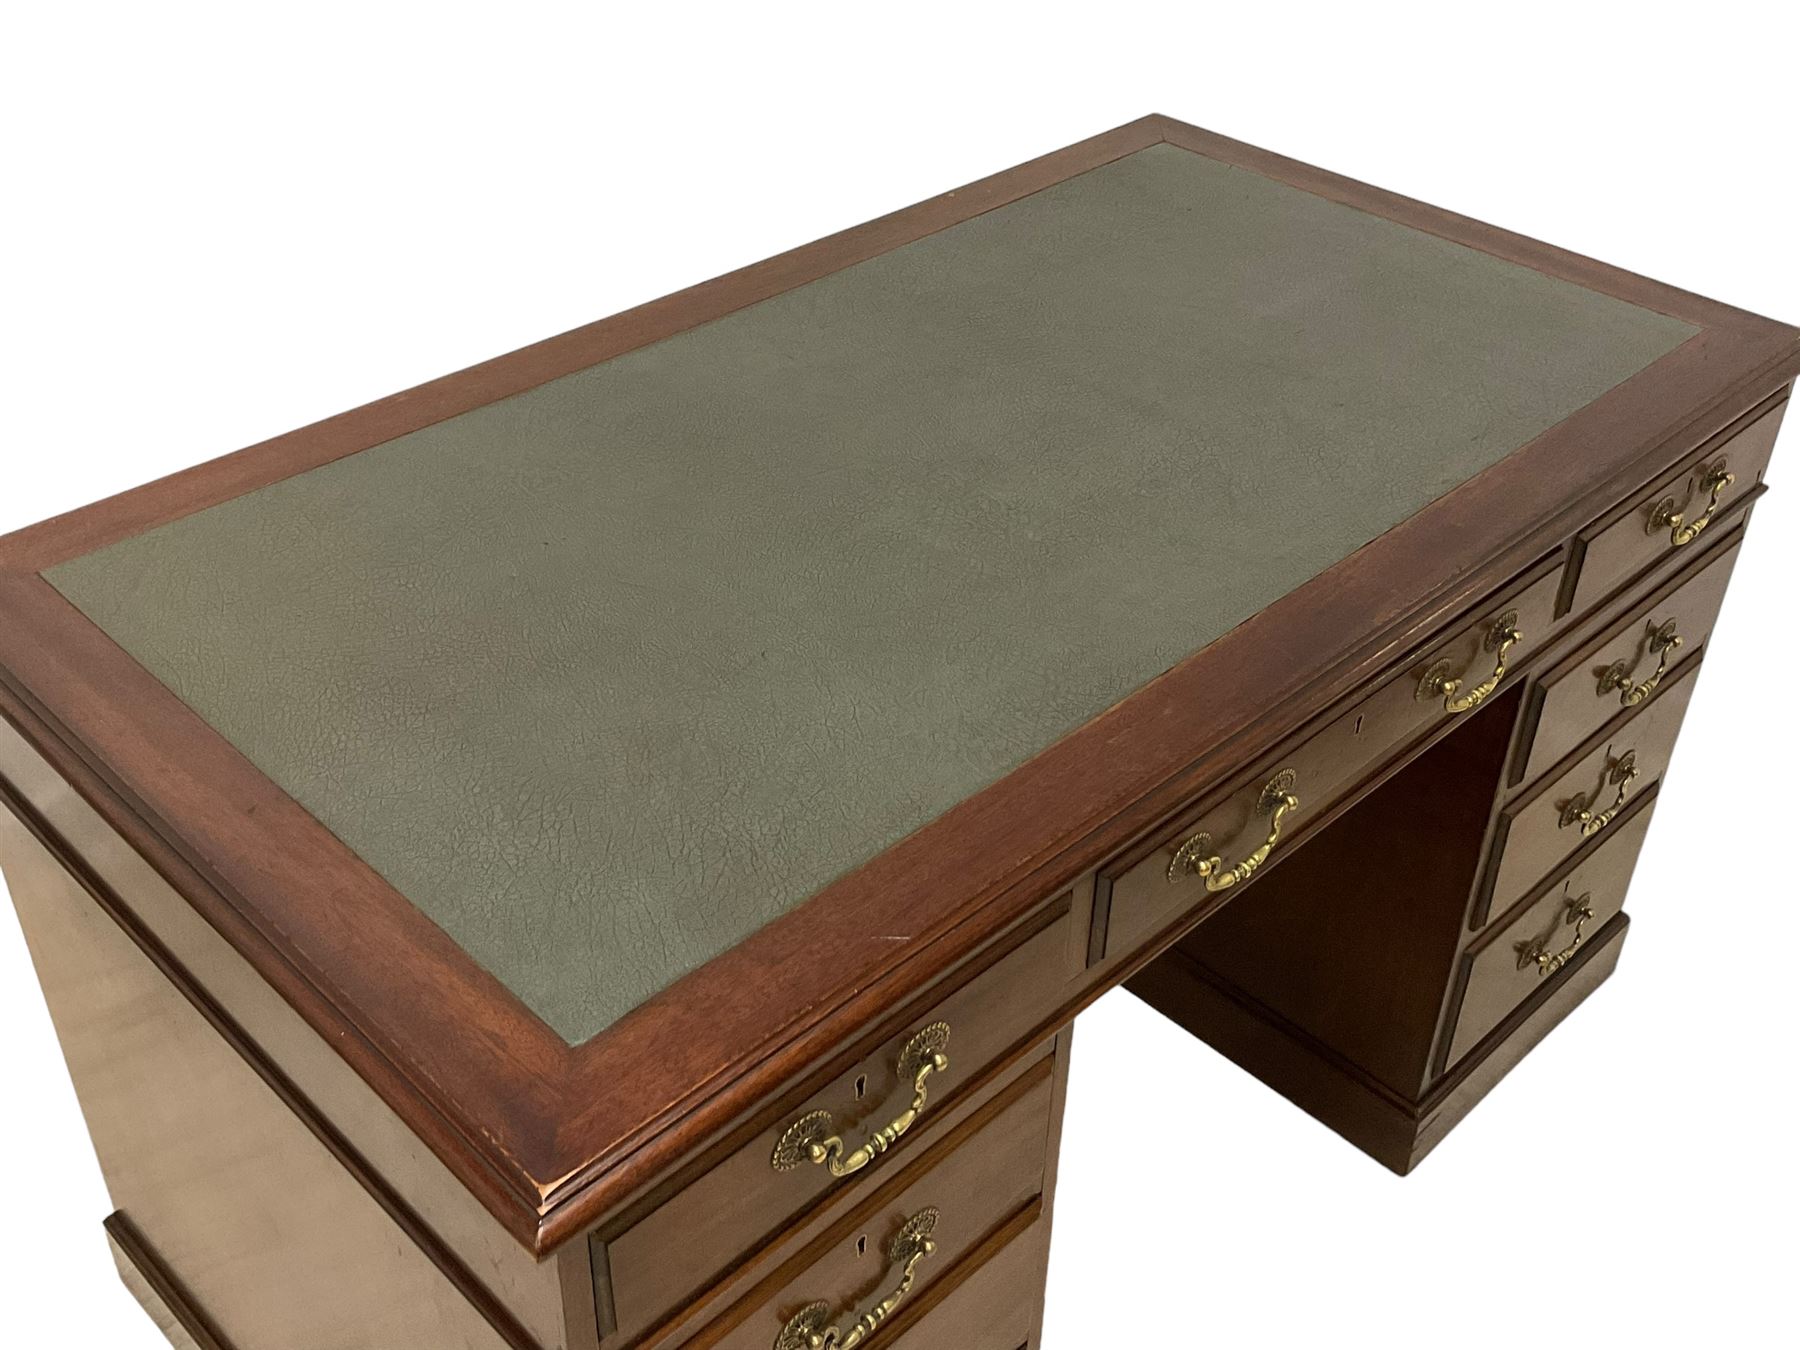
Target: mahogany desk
605 849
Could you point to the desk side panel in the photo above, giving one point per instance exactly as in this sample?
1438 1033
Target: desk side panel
521 1289
276 1243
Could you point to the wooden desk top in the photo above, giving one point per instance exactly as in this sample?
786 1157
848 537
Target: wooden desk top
605 676
597 733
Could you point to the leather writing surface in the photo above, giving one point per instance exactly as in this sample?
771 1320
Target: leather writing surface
606 675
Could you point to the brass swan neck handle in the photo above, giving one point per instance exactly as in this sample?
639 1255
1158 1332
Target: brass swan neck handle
1620 773
1661 639
811 1328
814 1138
1713 480
1579 911
1195 855
1438 682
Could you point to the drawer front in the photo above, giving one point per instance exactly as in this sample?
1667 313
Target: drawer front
888 1254
1674 514
768 1183
1628 664
995 1308
1537 834
1509 963
1179 874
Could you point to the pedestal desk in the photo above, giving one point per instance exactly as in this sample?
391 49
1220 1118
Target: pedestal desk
605 849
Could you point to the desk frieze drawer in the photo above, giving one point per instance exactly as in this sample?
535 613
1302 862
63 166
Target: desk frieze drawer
1225 844
848 1133
914 1240
1508 964
1537 833
1676 512
1629 662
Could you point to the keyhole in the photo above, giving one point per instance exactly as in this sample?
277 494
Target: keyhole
1359 722
862 1087
862 1246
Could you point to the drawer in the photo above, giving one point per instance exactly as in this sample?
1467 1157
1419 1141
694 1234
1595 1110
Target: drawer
1512 960
1536 834
767 1181
1580 695
995 1308
1718 478
949 1208
1215 849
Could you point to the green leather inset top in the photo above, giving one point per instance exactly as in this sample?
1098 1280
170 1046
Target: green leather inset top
607 675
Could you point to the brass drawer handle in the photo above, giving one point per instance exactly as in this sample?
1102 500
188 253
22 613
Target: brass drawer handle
1620 773
1196 856
1665 642
1579 912
1439 683
814 1138
808 1329
1713 482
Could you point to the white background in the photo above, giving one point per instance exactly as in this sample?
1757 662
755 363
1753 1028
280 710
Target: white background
219 225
